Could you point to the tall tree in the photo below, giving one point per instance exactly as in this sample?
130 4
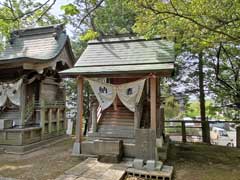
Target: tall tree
196 26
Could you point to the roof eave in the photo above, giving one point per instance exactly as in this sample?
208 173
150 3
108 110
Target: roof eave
169 73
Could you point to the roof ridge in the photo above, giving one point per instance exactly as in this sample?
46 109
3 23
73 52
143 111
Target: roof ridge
121 39
37 30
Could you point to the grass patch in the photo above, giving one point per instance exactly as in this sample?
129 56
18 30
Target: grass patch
204 162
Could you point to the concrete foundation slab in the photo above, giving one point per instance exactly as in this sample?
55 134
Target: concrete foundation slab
165 173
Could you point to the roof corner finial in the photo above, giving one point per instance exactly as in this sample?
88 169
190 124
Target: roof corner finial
12 38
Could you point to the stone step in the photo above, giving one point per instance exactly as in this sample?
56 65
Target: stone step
118 116
116 124
126 140
110 134
119 112
122 119
115 128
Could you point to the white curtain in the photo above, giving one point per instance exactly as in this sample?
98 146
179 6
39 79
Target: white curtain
128 93
104 92
12 91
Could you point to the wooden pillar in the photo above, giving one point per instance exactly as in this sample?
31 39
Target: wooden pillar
50 119
42 118
137 117
184 136
153 101
238 136
58 120
79 119
22 105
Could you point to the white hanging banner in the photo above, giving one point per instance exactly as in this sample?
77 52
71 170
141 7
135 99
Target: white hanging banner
105 93
12 91
3 96
130 93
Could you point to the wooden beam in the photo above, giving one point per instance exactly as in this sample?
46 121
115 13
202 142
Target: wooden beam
162 73
153 101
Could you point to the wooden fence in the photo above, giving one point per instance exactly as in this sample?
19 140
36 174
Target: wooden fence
189 128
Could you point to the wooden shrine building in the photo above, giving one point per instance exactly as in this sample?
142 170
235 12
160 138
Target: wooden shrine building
130 125
32 99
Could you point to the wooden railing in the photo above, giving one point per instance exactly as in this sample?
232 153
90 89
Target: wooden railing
186 129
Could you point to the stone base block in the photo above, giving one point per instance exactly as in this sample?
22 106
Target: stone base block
138 163
76 148
150 165
109 158
108 146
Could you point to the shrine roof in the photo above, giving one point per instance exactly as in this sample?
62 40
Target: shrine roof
40 45
124 54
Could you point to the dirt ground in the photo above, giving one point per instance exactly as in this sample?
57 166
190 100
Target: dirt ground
44 164
190 161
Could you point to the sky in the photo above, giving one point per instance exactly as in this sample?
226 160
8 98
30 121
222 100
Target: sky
56 10
56 7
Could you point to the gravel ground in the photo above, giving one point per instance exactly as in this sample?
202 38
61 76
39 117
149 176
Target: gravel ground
44 164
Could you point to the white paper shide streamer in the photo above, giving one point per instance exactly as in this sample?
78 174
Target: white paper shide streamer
105 93
128 93
11 91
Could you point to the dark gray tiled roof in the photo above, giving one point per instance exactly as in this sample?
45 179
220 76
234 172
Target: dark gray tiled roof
118 51
110 56
37 44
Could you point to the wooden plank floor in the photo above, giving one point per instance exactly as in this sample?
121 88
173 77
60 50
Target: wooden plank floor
91 169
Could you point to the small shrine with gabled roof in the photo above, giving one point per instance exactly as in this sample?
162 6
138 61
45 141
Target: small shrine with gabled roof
126 113
32 99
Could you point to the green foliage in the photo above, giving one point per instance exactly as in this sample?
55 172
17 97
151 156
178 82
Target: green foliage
212 111
171 108
89 35
70 9
201 23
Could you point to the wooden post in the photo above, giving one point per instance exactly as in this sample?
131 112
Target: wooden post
161 119
79 119
58 120
238 136
184 136
22 104
136 117
42 118
50 113
153 101
94 117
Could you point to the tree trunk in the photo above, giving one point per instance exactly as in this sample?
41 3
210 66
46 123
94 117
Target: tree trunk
205 125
